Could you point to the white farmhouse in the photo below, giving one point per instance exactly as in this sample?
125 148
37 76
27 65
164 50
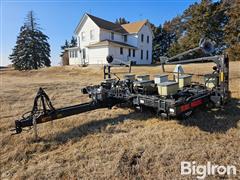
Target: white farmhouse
98 38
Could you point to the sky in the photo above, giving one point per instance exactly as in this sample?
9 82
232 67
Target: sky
58 18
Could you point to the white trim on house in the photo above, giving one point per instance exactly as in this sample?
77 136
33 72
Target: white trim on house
79 24
149 26
95 51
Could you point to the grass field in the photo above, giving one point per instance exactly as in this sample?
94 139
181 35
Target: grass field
117 143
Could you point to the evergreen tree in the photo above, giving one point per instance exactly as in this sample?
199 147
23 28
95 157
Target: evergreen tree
73 42
161 42
64 53
201 20
32 50
195 25
156 50
174 29
66 45
232 29
121 21
218 21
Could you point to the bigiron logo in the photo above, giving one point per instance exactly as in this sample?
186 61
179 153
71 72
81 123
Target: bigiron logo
202 171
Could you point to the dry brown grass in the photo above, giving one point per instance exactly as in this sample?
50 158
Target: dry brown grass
117 143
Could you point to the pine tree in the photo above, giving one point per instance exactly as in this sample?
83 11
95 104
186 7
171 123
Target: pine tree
32 50
200 20
196 25
73 42
64 54
232 29
174 28
161 42
157 45
66 45
218 21
121 21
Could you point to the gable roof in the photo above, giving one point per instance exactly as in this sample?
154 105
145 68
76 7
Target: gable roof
134 27
107 25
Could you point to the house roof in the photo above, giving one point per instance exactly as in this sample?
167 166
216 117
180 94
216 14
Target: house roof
107 25
134 27
109 42
72 48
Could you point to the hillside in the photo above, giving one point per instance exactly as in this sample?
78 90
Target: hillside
116 143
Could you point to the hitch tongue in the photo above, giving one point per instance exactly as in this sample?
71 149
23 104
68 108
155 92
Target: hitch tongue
31 119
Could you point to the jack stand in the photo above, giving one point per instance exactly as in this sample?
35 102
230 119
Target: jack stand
52 124
35 128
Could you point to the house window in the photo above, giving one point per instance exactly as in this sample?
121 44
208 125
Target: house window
147 39
112 35
147 54
133 52
129 52
125 38
92 34
83 36
121 50
141 54
72 54
142 37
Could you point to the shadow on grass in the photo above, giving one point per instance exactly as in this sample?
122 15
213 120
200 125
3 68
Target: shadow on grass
98 126
218 121
206 120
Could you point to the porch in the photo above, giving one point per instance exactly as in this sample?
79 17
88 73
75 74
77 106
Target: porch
77 56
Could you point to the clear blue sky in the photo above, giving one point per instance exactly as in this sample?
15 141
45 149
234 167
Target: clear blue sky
58 19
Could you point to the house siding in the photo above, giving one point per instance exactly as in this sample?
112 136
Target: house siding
105 34
144 45
115 52
133 39
75 60
98 54
87 26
